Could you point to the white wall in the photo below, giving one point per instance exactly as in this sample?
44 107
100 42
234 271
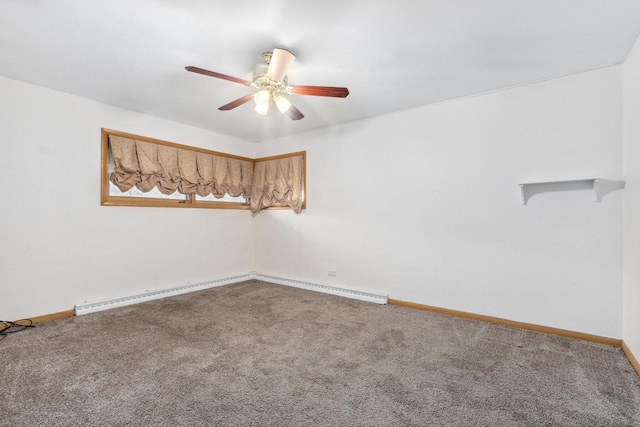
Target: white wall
59 247
423 204
631 328
430 211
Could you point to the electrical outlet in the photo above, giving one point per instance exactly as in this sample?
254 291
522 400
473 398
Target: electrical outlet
332 273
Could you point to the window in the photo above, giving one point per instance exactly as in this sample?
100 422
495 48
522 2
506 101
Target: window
140 171
279 182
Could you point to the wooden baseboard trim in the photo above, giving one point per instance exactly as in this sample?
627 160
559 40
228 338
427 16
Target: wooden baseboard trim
632 359
511 323
53 316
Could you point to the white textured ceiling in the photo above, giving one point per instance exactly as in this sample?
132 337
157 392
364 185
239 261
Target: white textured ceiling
392 55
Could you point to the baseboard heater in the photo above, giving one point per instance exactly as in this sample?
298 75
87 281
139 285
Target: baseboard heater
92 307
333 290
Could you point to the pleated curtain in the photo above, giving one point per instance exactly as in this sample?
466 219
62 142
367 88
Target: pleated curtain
146 165
278 182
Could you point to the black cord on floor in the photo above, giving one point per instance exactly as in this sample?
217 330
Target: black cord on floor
7 327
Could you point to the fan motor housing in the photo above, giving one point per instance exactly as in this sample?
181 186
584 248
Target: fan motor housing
259 72
263 82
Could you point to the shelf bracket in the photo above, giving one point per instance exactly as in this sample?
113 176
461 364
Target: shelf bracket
596 198
522 198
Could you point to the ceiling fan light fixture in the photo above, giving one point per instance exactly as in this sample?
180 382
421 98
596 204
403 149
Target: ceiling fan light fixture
282 103
262 100
272 81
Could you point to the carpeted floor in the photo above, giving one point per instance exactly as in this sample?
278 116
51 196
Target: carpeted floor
259 354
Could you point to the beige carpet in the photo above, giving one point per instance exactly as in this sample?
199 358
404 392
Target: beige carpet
258 354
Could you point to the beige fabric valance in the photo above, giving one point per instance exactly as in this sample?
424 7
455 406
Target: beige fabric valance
147 165
278 182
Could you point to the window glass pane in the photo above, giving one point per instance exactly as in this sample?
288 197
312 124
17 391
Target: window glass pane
135 192
226 198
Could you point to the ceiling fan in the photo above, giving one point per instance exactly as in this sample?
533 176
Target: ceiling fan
271 82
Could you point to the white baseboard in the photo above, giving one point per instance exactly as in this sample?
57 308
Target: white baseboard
333 290
92 307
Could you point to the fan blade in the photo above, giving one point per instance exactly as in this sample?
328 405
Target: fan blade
336 92
294 113
238 102
217 75
281 60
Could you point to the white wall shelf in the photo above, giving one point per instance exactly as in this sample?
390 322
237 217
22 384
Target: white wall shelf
528 189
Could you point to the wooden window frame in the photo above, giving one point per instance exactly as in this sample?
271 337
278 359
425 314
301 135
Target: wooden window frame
190 201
